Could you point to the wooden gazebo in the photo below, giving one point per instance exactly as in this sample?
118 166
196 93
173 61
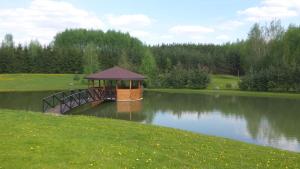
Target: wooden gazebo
119 83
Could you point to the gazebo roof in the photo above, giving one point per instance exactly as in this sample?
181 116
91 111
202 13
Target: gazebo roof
115 73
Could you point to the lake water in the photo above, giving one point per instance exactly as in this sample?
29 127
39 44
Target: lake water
265 121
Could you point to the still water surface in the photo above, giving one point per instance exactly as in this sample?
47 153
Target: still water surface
265 121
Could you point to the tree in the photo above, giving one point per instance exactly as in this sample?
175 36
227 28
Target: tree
123 61
255 46
8 41
149 68
90 57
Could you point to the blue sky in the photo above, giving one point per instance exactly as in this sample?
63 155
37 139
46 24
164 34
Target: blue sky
155 21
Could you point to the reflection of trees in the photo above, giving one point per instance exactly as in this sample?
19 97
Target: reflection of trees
23 100
282 115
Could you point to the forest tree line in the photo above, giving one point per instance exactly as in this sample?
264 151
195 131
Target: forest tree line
268 60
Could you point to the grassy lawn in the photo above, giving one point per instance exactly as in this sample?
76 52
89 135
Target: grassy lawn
38 82
43 82
230 93
218 86
35 140
218 82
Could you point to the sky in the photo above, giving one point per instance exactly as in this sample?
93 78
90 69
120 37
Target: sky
152 21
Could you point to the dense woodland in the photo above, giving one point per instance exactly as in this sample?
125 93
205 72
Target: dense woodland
268 60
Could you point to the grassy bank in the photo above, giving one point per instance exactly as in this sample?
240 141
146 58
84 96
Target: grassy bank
220 84
230 93
228 85
34 140
223 82
38 82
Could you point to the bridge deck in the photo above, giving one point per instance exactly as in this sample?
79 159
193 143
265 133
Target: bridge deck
63 102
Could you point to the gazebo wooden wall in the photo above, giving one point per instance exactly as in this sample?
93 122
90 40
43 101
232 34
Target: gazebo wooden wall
129 94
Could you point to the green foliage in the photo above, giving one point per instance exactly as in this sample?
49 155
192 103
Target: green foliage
219 59
123 61
178 77
228 85
275 64
149 68
90 59
76 77
8 41
269 59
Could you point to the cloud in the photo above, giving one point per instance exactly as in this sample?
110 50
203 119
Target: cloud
136 20
42 19
190 30
223 37
230 25
272 9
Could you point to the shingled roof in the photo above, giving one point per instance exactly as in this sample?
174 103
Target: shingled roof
115 73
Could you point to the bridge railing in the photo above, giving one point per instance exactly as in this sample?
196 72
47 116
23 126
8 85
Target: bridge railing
70 99
56 98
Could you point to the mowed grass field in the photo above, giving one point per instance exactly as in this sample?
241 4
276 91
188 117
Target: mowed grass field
39 82
36 82
49 82
223 82
36 140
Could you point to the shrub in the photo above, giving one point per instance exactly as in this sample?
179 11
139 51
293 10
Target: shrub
228 85
76 77
182 78
84 81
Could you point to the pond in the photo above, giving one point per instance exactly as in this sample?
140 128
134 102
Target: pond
264 121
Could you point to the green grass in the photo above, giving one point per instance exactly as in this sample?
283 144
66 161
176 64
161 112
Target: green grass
44 82
220 81
35 140
218 86
38 82
230 93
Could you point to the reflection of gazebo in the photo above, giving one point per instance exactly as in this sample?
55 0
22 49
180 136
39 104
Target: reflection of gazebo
119 83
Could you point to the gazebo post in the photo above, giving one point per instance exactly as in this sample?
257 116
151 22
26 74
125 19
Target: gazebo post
117 75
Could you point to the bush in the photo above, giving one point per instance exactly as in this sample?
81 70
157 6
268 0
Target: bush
76 77
182 78
84 81
228 86
284 78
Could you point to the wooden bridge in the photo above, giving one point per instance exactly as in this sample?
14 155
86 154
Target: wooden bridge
62 102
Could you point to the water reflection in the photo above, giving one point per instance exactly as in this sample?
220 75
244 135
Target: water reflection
23 100
265 121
